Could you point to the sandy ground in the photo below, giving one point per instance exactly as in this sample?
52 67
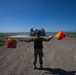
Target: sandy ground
59 58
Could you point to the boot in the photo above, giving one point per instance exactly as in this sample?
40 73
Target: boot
34 67
41 66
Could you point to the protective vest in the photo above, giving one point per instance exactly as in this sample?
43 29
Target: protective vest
38 43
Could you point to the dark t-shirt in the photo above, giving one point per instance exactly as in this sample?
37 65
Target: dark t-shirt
38 43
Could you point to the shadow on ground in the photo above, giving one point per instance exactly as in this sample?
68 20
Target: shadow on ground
57 71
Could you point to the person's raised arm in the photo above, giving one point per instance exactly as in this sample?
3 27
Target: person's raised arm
28 40
46 40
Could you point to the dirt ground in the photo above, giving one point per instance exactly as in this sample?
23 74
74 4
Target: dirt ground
59 58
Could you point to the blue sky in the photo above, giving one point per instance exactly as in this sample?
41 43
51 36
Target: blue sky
52 15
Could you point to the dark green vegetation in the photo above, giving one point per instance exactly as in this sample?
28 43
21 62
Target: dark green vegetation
71 35
2 35
1 44
1 41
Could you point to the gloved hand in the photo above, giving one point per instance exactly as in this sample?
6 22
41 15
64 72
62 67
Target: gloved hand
52 37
